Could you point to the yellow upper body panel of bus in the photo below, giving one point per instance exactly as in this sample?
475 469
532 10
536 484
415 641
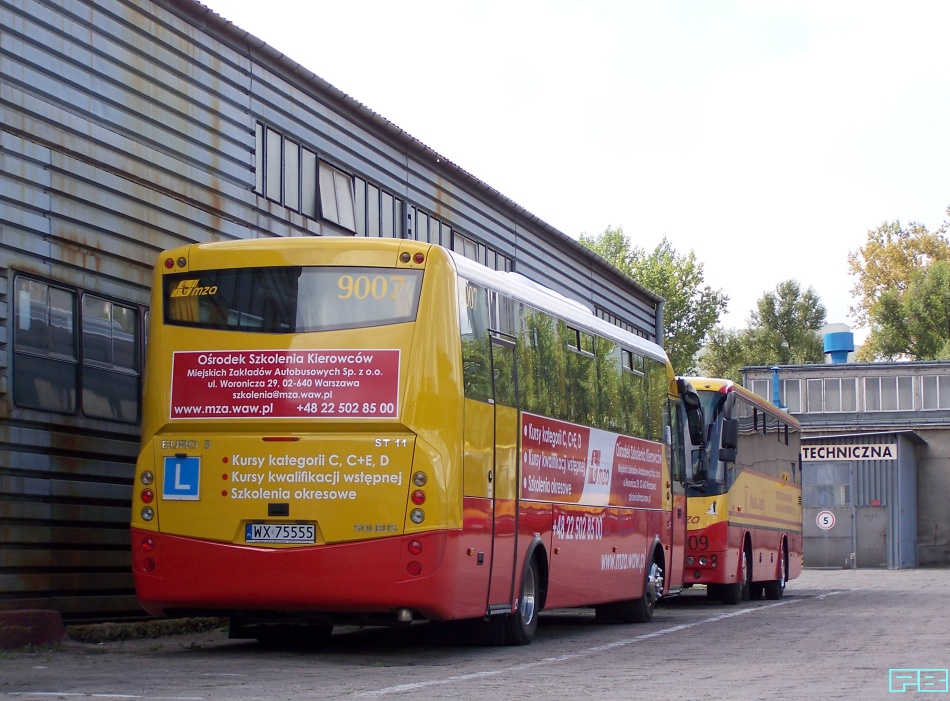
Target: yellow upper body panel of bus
352 477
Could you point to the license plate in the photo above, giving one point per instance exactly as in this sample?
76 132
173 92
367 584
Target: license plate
279 533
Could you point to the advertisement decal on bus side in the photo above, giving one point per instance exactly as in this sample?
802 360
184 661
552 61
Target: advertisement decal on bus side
285 384
573 464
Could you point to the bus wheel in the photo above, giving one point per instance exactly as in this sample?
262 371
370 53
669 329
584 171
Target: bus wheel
776 588
644 607
521 626
732 594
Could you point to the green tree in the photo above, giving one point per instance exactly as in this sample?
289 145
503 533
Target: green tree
901 292
692 307
783 330
914 323
724 355
785 326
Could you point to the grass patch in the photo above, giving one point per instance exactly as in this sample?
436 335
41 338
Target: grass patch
142 630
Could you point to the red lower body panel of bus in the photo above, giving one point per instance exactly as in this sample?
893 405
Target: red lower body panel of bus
173 573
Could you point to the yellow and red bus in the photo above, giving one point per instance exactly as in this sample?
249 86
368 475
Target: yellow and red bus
744 496
381 431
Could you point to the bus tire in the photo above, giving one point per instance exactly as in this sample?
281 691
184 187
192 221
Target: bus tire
521 626
642 609
776 588
732 594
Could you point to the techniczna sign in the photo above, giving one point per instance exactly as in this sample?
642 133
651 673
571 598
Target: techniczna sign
818 453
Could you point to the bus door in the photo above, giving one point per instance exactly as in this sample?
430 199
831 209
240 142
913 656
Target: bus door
685 421
504 476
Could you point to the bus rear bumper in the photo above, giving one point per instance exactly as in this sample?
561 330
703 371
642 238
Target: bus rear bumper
176 574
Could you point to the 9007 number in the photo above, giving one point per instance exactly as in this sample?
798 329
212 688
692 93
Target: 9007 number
376 287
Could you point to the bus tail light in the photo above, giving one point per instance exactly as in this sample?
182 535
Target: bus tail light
148 513
419 479
415 547
418 497
414 568
148 564
148 544
417 516
147 496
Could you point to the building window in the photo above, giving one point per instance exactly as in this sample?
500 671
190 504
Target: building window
110 360
465 246
337 197
602 313
831 395
889 393
935 392
51 336
792 396
44 347
286 172
762 388
840 395
291 175
273 155
480 253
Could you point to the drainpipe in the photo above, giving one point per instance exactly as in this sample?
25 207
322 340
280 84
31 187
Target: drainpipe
776 400
659 326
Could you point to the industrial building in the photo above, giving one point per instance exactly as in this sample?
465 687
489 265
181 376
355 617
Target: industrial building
132 126
875 457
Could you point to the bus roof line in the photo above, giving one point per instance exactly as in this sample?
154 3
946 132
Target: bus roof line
577 313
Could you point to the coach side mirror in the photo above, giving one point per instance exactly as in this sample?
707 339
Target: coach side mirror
695 421
730 434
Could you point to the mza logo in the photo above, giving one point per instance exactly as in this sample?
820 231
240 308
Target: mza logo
921 680
191 288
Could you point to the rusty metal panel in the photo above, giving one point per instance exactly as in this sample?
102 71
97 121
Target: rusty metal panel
72 559
25 534
66 513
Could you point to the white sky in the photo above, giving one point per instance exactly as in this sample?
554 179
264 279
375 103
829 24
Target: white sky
768 137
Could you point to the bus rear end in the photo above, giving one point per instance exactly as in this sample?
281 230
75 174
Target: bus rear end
286 468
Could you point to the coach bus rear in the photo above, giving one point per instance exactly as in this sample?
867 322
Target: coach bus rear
288 459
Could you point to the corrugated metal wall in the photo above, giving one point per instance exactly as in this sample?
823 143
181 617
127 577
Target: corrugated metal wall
128 126
891 484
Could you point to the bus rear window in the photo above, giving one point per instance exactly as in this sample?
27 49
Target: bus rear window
291 299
